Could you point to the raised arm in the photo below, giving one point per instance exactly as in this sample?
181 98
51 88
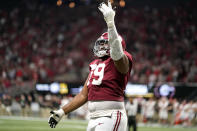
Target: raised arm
116 50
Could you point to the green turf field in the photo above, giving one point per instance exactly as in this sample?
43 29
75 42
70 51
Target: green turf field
35 124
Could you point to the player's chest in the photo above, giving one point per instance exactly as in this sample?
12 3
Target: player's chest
101 66
100 71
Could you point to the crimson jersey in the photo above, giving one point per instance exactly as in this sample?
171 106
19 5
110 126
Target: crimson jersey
105 82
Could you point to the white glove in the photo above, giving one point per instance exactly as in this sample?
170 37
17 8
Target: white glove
55 117
108 13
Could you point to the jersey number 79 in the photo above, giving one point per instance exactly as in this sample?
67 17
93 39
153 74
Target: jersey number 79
97 72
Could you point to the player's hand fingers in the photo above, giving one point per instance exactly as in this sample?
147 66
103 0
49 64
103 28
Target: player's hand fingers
101 9
52 112
52 122
53 126
104 6
109 4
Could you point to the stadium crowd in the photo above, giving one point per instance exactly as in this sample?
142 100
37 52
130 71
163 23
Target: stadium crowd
146 110
44 43
41 42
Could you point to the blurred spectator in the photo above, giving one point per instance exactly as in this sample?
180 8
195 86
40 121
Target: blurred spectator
150 110
144 109
35 109
159 39
163 110
7 102
131 108
23 105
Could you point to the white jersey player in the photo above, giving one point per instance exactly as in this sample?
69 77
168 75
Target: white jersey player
150 109
163 109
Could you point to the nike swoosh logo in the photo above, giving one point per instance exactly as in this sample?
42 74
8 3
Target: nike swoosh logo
100 123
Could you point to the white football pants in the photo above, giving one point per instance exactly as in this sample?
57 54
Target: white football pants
116 122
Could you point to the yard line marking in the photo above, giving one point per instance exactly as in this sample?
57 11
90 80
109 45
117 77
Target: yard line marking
44 128
39 119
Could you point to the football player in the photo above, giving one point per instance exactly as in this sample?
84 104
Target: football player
105 85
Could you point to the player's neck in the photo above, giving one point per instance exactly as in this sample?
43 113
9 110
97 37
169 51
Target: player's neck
104 58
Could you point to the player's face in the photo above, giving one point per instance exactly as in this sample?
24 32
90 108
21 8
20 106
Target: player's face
101 48
131 100
103 45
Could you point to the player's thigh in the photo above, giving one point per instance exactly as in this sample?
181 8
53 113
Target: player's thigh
117 122
111 124
104 124
100 124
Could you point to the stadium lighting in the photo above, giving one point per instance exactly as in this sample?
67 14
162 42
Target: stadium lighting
122 3
71 4
59 2
112 1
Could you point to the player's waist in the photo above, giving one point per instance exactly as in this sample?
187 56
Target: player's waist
107 113
105 105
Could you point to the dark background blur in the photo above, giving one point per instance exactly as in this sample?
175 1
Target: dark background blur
43 42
